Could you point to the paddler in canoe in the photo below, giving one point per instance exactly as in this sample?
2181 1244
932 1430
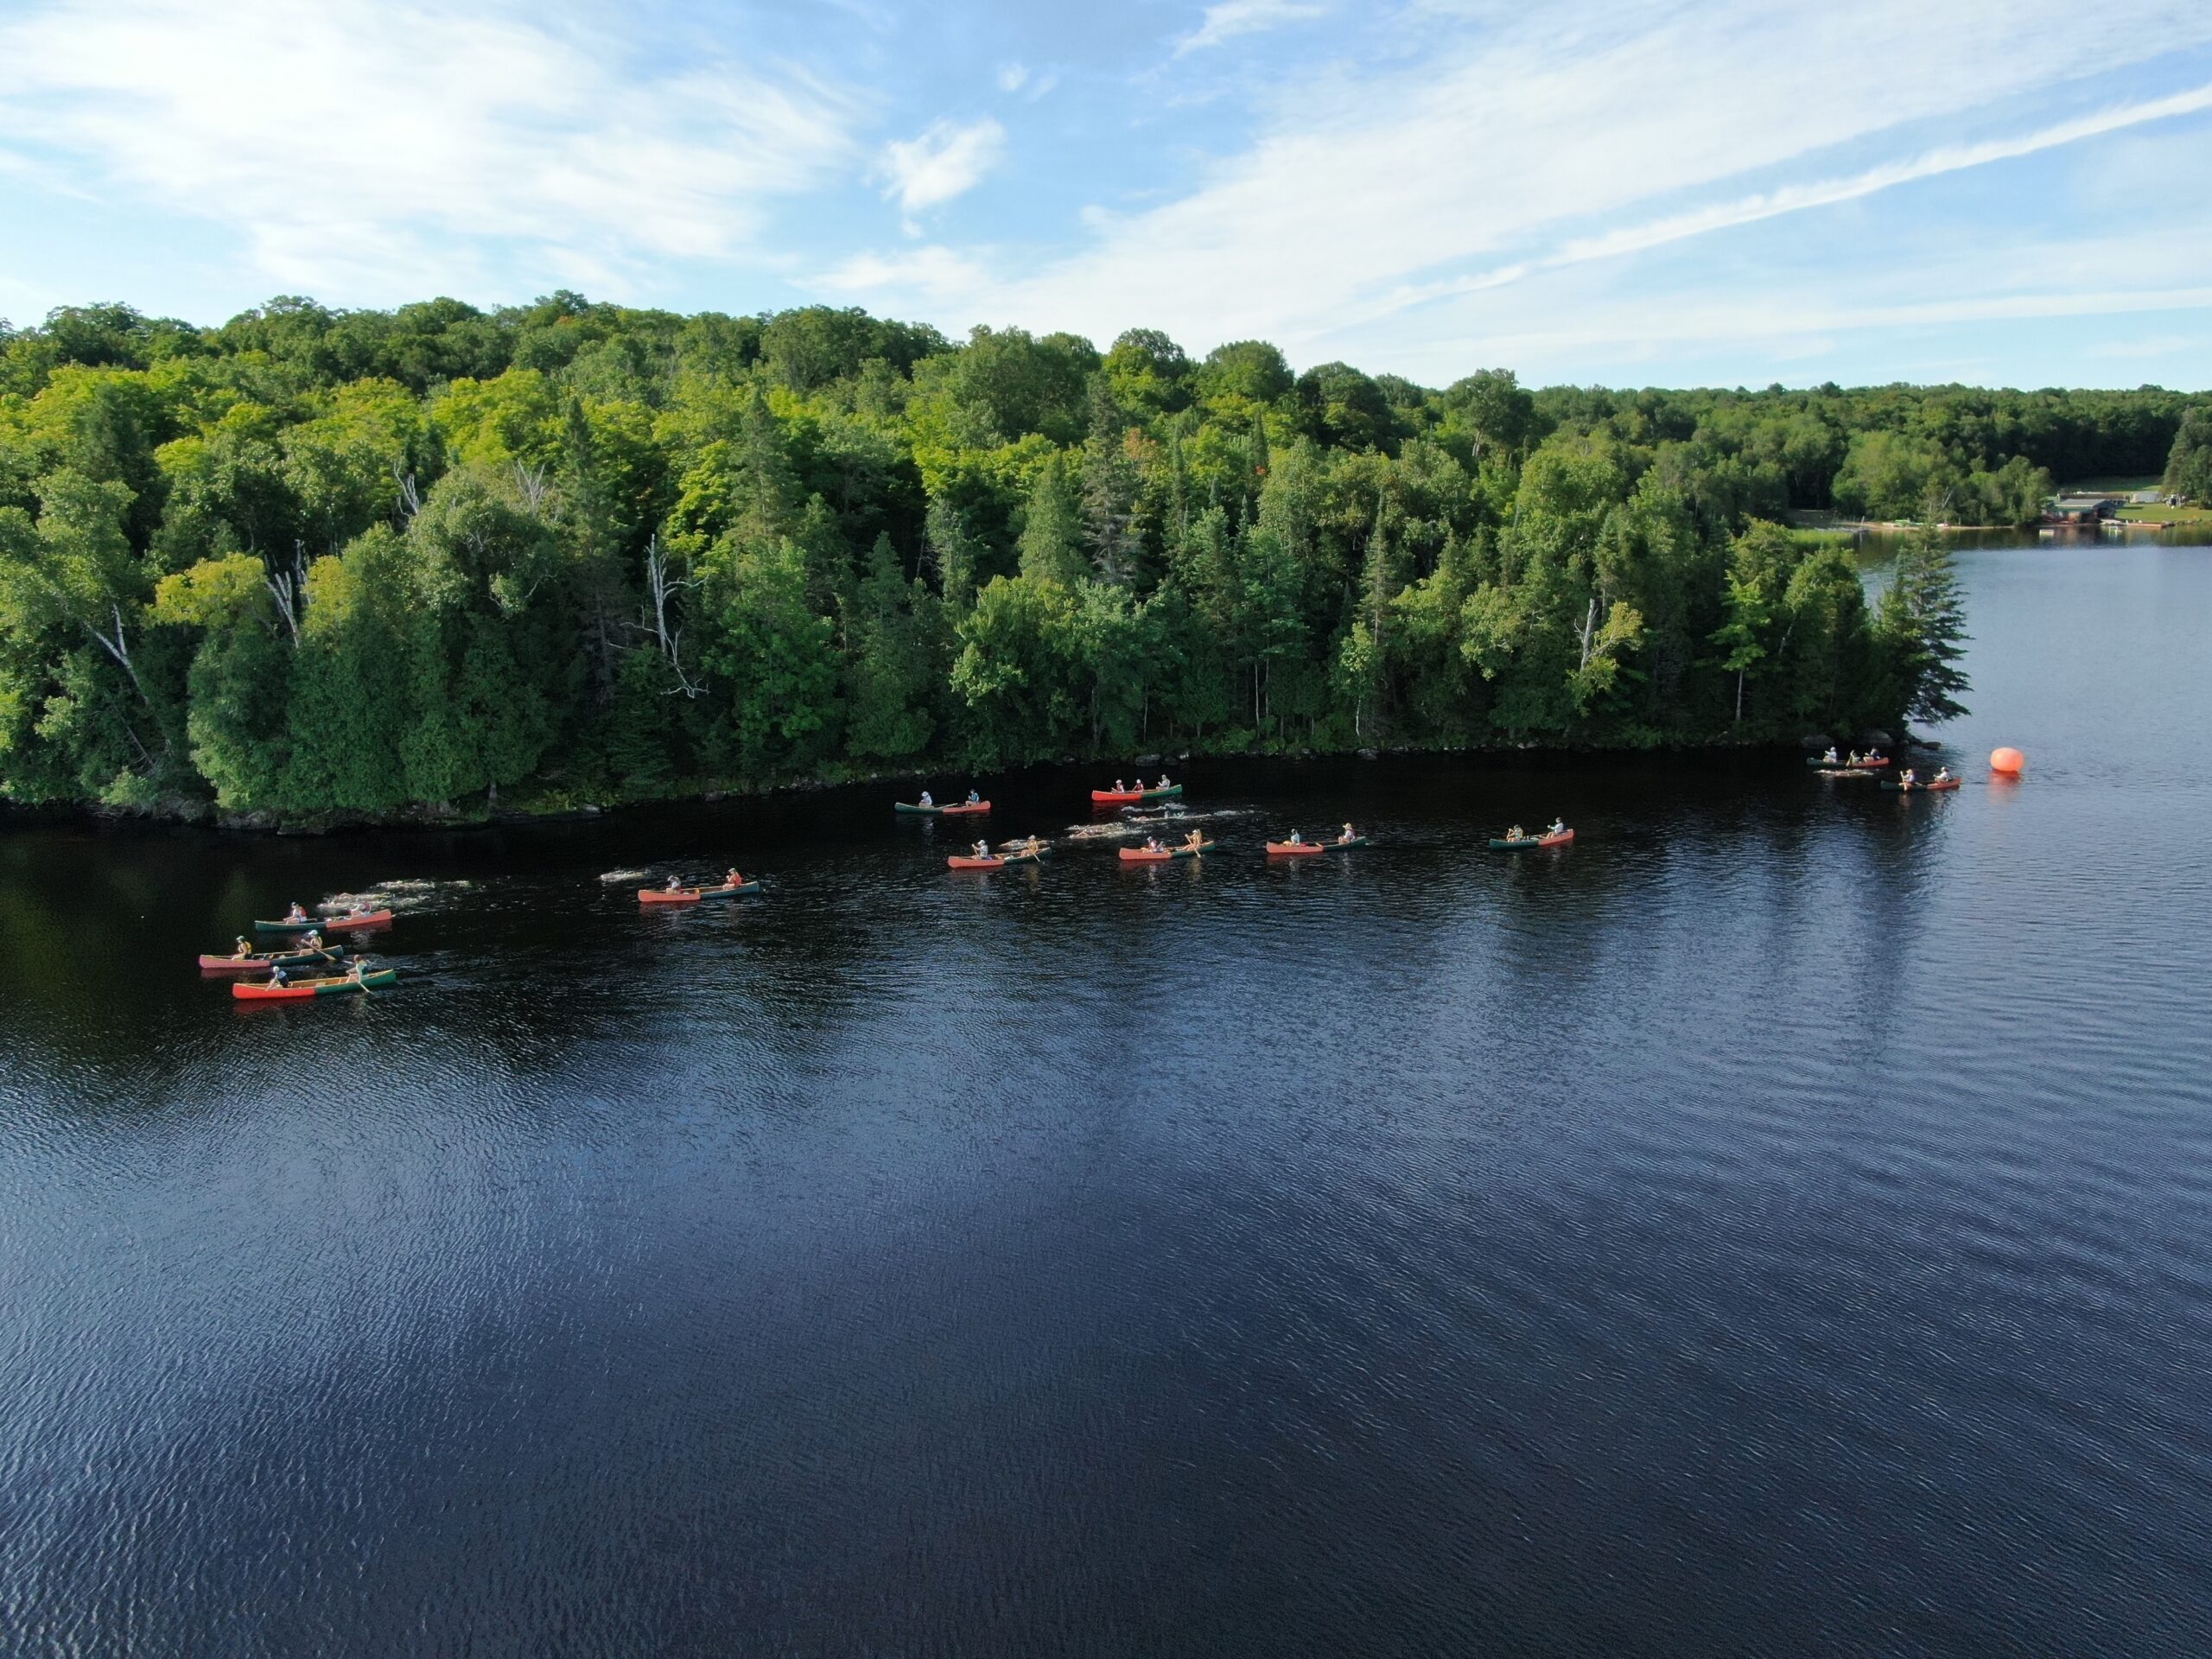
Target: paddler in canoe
1032 848
975 799
1516 833
244 951
296 913
1559 827
1194 841
982 849
1348 836
927 799
1942 775
732 879
1910 779
1829 759
1162 784
277 977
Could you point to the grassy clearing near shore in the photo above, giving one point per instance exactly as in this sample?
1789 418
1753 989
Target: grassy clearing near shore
2166 515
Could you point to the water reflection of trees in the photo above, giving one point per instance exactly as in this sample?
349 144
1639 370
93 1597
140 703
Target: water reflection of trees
1686 868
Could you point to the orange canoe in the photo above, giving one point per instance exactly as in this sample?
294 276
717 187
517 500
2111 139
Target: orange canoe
1297 848
693 895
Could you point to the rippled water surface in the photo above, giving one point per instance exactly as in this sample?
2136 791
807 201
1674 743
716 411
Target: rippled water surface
1780 1223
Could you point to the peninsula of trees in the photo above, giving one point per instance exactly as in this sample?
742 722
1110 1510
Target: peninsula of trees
314 563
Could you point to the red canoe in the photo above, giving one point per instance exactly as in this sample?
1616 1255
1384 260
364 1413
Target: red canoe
301 990
1297 848
355 918
964 809
693 895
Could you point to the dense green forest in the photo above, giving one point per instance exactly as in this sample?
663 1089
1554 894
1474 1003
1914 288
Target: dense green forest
316 562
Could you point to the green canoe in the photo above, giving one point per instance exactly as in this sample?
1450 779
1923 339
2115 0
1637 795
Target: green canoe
301 990
1499 843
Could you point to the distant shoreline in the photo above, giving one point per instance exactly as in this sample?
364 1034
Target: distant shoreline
554 808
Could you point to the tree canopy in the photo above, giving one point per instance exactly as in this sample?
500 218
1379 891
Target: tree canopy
316 561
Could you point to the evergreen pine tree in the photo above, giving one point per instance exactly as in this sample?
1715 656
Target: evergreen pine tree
1924 623
1052 531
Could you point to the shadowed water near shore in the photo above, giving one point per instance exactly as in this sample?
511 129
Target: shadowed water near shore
1777 1224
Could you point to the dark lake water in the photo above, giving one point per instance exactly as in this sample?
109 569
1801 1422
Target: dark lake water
1780 1223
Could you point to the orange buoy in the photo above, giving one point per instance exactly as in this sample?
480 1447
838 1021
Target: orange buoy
2007 760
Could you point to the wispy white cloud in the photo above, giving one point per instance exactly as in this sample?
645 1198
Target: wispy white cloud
1823 192
1227 19
1513 143
1012 77
2167 346
948 160
343 139
934 272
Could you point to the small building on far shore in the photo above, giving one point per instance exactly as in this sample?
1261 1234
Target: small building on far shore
2081 509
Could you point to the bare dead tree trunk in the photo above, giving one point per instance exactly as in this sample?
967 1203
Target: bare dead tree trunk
659 586
119 648
529 482
289 589
410 497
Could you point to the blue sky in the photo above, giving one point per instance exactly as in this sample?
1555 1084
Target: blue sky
1632 192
